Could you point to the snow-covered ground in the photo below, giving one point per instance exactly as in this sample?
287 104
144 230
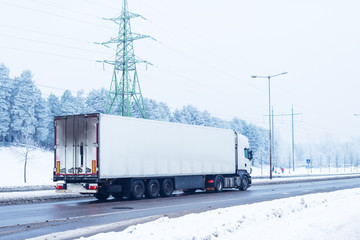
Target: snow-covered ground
317 216
323 216
13 189
41 163
39 167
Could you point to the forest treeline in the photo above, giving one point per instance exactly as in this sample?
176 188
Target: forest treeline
26 116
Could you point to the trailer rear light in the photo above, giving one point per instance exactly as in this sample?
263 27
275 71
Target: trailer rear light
60 186
93 187
211 181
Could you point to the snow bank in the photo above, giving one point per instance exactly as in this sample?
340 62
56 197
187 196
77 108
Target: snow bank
39 167
256 171
334 215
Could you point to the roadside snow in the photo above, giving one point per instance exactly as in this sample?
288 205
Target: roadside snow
39 167
13 189
334 215
41 163
10 198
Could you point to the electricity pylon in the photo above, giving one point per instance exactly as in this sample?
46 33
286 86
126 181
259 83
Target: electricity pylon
125 91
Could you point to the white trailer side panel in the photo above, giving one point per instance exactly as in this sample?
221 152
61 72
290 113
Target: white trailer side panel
136 147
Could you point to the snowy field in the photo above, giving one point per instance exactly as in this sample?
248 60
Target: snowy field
13 189
334 215
323 216
41 163
39 167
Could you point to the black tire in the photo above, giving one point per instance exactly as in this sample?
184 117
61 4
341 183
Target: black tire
117 196
218 184
167 188
101 196
244 183
137 190
152 189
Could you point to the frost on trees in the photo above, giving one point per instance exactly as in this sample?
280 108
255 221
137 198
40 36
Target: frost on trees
5 95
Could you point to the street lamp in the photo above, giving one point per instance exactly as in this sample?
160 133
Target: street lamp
269 77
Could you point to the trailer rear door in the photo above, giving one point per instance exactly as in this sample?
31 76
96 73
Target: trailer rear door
76 147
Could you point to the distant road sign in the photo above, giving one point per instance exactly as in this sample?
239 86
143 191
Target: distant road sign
307 161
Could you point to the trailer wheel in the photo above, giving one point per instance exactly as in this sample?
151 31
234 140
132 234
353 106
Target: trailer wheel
152 189
219 184
137 190
244 183
167 188
101 196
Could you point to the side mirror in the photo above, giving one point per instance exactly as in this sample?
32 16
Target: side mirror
248 153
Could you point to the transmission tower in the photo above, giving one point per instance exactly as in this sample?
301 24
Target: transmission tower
125 91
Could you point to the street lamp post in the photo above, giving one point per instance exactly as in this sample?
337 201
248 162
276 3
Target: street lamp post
269 77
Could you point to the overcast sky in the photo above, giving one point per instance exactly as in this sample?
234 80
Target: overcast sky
204 55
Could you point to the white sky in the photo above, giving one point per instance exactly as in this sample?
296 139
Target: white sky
205 54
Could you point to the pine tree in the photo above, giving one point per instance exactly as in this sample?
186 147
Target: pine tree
42 114
23 119
96 101
54 107
5 105
69 104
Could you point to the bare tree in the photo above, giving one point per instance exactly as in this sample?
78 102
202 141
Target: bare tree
26 144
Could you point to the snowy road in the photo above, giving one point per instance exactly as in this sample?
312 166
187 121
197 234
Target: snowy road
20 221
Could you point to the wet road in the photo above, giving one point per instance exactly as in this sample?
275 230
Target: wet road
31 220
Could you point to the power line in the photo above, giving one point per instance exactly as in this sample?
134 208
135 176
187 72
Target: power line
55 88
49 43
46 53
56 15
292 130
45 33
67 9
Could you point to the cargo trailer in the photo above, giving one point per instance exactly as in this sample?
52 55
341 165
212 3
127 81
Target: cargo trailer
126 157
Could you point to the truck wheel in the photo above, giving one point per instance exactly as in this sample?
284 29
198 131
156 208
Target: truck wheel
153 189
167 188
137 190
244 183
101 196
218 184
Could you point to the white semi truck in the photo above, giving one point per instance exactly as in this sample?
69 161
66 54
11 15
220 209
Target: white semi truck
128 157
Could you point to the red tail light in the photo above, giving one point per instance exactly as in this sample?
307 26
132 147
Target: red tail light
60 186
211 181
93 187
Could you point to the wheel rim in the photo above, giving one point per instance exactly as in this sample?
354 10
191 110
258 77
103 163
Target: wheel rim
218 185
244 183
138 190
153 188
167 187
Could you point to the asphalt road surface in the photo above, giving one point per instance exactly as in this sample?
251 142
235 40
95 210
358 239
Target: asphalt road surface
31 220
